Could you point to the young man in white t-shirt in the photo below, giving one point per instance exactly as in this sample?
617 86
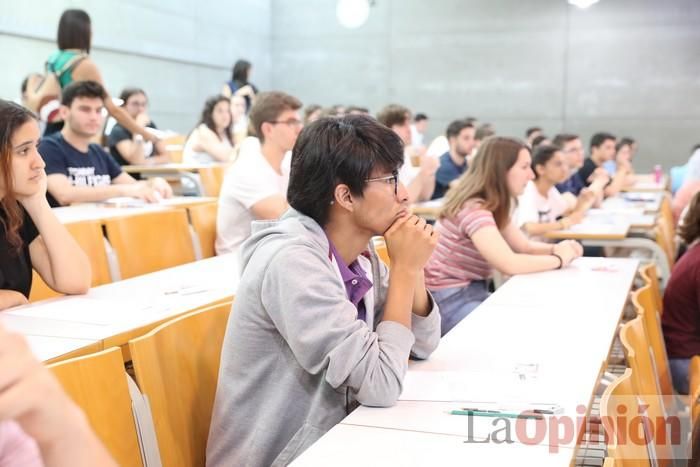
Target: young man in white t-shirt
255 187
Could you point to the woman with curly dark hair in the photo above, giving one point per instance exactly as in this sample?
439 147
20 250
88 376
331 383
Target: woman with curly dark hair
681 317
31 237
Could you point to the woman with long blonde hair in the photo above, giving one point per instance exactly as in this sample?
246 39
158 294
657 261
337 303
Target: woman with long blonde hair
477 232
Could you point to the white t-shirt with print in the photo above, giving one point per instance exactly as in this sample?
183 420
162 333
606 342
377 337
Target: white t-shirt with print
537 209
248 181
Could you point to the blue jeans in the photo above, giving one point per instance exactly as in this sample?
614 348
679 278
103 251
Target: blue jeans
679 373
456 303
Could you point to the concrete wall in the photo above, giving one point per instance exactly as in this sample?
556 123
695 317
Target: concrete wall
180 51
627 66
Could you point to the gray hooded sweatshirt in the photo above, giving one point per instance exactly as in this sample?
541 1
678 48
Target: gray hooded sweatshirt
295 359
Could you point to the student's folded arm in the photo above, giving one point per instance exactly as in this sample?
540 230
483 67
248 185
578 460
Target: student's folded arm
58 259
499 254
616 184
540 228
308 305
60 188
210 143
10 298
131 151
517 240
426 329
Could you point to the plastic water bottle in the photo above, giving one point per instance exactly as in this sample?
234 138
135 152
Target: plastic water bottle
658 174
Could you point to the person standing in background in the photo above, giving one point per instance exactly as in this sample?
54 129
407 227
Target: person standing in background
70 63
239 85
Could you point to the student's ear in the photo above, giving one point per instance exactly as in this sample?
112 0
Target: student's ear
265 129
539 170
343 197
63 111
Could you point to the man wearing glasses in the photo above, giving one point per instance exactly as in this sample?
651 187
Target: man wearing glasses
319 326
256 185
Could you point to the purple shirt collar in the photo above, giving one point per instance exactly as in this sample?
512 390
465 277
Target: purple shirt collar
356 282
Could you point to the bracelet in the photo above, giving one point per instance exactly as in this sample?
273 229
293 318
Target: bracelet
561 261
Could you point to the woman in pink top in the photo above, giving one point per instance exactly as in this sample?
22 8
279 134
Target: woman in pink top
477 232
39 424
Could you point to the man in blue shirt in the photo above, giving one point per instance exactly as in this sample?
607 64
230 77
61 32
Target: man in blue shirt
572 147
460 136
79 171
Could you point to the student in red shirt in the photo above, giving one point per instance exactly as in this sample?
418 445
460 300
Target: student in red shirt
681 317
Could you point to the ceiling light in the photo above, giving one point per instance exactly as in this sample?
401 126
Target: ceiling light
583 4
352 13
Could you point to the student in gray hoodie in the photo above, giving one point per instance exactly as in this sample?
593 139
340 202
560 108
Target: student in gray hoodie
319 325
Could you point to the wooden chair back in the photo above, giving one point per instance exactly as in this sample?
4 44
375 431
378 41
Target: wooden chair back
650 276
694 388
643 300
175 145
382 250
212 178
619 397
98 385
177 368
150 242
203 220
639 357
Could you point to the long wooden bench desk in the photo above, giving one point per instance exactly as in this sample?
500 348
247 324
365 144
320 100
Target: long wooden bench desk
539 340
112 314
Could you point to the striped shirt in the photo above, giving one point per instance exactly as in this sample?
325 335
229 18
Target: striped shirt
456 262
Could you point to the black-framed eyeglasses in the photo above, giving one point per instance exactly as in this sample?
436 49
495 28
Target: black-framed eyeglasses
291 122
394 177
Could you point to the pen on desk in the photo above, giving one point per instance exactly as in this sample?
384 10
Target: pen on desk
496 413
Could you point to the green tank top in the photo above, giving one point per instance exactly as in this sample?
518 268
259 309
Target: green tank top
62 59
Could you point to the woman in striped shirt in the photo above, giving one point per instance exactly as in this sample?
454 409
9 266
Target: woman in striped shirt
477 232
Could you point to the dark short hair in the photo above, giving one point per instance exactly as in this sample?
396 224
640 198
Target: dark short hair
128 92
537 140
331 151
624 141
543 154
456 126
268 106
531 130
598 139
310 109
484 131
74 30
393 114
357 109
76 89
562 138
240 71
420 116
